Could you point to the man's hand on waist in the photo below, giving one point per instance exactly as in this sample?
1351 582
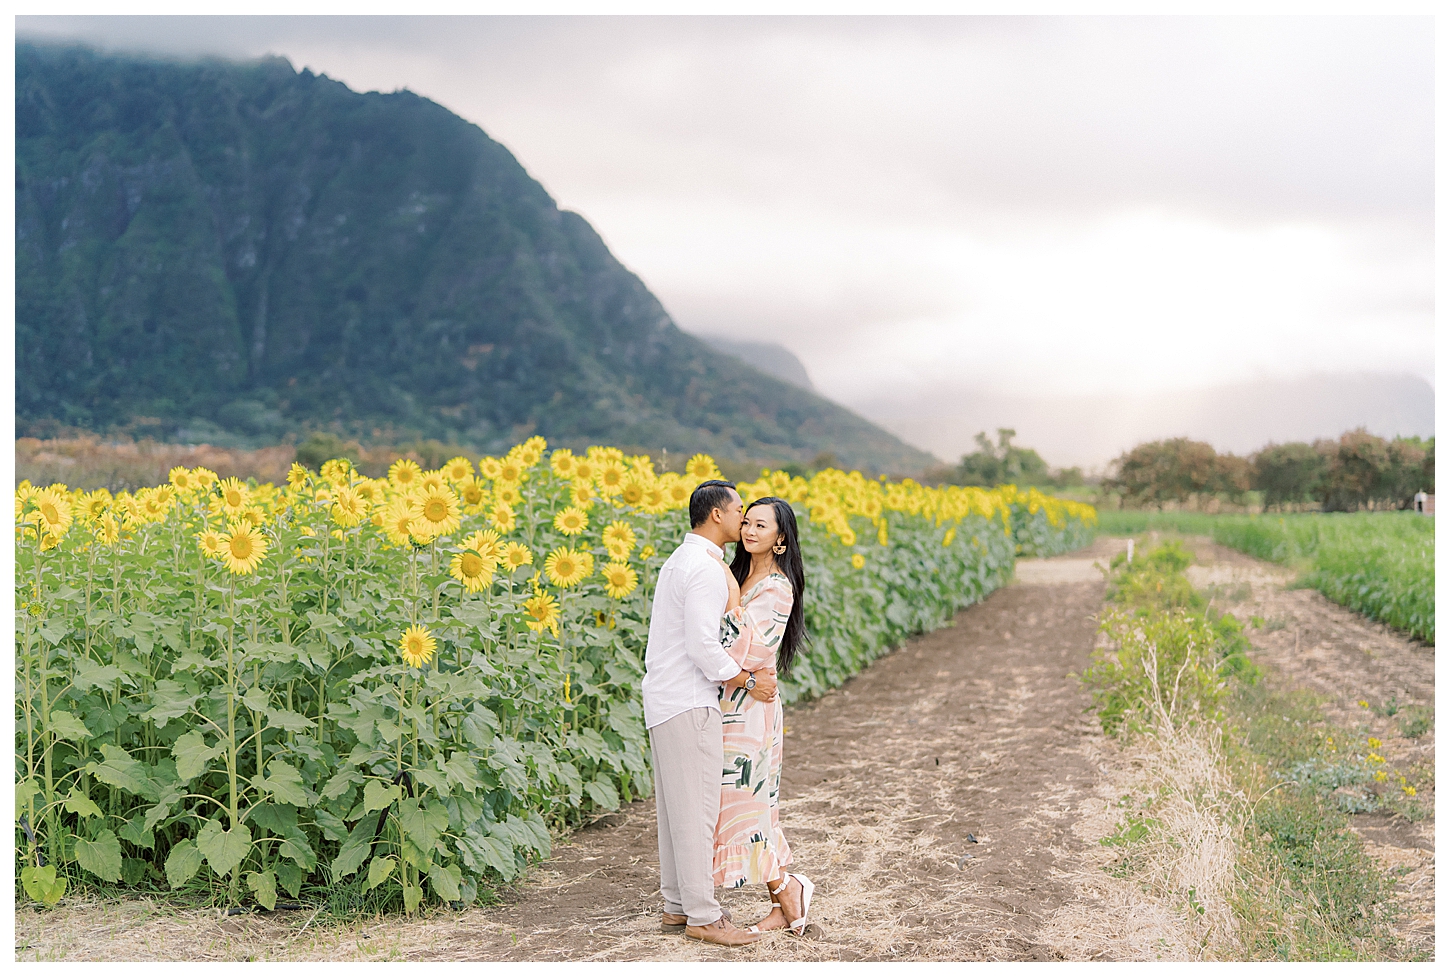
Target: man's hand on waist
764 689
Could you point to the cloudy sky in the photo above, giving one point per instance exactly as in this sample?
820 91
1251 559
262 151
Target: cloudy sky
921 208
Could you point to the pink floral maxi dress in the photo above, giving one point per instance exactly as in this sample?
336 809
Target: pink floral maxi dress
749 845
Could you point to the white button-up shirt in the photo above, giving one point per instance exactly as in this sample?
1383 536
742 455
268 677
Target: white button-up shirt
684 661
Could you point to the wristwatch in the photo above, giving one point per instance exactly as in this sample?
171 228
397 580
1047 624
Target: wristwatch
750 682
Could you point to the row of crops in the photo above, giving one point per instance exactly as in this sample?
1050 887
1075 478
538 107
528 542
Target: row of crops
1381 564
396 688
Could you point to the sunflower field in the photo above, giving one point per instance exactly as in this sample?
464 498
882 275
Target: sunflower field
393 690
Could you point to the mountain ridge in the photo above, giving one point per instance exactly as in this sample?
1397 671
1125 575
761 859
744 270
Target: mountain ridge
239 247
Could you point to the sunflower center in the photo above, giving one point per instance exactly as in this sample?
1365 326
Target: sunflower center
436 510
49 513
471 564
241 547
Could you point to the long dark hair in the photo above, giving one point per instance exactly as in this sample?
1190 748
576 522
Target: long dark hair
790 564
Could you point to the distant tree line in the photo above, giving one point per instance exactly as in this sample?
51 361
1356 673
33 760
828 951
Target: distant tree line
1004 463
1356 471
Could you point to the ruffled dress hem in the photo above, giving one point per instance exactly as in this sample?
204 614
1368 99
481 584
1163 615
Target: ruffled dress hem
758 861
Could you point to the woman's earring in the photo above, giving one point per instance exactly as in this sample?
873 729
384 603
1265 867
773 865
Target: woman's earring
779 547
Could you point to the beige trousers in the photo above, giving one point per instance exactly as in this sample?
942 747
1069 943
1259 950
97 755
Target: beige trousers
688 753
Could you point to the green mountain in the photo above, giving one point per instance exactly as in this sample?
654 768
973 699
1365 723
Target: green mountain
211 249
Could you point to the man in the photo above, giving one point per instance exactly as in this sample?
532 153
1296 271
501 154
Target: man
685 666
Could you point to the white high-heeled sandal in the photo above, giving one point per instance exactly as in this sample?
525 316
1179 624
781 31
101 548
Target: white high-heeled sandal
808 889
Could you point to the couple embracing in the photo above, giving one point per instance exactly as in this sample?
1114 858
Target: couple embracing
718 633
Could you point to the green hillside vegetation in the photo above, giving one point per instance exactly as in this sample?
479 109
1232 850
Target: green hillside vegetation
243 254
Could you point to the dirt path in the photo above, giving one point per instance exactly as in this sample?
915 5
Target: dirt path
975 729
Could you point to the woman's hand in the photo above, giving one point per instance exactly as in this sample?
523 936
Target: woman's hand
733 601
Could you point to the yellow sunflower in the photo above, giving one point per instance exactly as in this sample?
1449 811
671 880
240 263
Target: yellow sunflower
52 511
398 521
581 493
348 507
611 477
647 552
436 512
620 534
634 491
571 521
183 479
154 505
297 476
677 492
485 543
619 580
473 494
432 482
22 496
951 535
417 646
235 496
702 468
489 467
532 450
543 612
562 462
336 470
251 515
244 548
516 555
858 561
502 517
108 530
457 469
655 500
96 504
584 471
370 491
511 469
211 542
205 477
567 567
472 570
404 474
507 492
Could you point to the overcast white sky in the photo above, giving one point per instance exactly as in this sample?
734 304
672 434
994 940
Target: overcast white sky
1063 205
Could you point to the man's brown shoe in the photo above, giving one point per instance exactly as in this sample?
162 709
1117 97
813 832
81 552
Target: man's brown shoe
723 933
676 922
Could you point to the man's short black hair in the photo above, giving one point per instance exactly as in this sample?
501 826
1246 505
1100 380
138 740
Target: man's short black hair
714 494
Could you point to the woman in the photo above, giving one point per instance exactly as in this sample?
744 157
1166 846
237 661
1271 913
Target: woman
764 626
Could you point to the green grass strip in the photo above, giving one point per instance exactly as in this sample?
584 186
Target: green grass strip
1381 564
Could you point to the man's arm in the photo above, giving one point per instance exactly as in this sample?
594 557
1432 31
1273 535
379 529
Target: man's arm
703 610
